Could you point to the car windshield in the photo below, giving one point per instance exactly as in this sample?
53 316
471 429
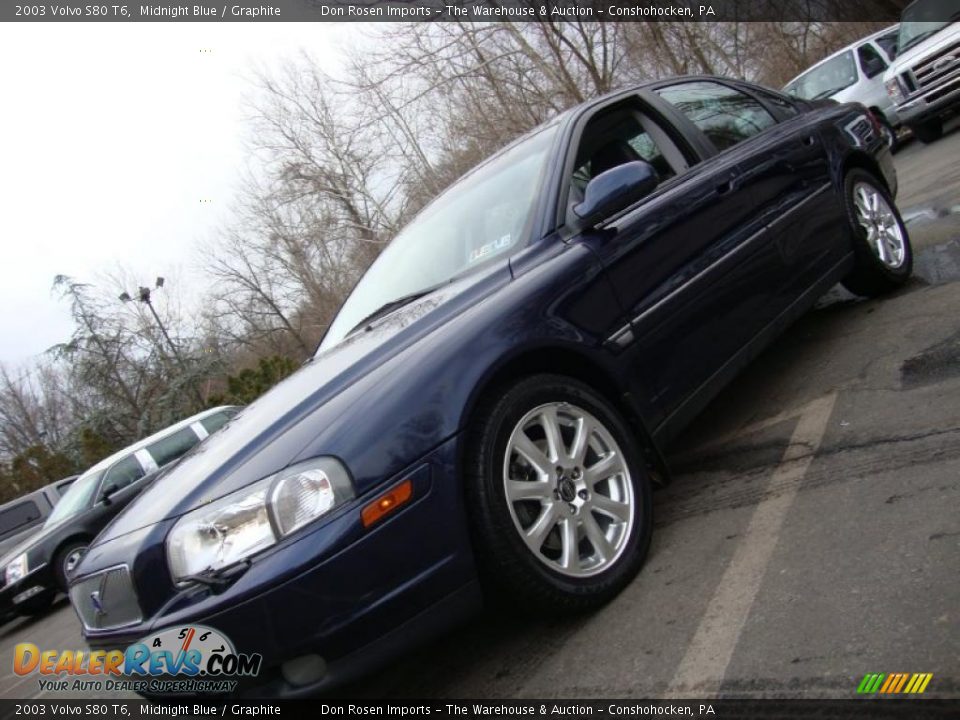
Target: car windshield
76 500
924 18
825 79
480 217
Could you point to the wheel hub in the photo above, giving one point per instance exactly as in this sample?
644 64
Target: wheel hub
567 489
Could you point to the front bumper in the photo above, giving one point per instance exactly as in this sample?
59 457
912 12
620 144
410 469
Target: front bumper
920 109
354 597
36 582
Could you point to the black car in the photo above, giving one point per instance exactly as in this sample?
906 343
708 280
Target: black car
20 517
484 415
39 567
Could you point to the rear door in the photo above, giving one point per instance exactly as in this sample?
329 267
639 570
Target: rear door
784 168
688 262
784 174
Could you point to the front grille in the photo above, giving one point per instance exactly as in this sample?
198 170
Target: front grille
937 68
106 600
861 131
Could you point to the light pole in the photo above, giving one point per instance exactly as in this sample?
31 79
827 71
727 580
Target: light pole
144 297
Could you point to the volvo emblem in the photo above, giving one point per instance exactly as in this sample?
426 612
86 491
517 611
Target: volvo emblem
96 598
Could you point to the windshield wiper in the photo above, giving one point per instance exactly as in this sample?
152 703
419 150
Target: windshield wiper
830 91
389 307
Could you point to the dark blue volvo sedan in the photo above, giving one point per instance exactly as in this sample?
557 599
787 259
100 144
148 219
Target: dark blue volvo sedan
483 417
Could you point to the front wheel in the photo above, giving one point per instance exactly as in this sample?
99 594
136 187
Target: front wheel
66 561
558 497
881 245
928 132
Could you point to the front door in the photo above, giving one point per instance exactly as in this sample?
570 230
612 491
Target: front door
692 268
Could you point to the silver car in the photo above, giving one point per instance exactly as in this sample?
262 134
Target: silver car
855 74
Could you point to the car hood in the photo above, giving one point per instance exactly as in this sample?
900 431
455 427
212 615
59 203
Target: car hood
918 52
268 434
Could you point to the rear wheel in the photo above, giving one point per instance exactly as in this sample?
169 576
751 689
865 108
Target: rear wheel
66 561
881 245
929 131
558 497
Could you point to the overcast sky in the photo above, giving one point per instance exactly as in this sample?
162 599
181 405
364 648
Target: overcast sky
112 135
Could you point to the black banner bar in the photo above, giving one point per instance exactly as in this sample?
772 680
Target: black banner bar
454 10
893 709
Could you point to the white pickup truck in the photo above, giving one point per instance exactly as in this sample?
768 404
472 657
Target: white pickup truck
924 80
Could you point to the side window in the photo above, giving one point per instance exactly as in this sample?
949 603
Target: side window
64 486
724 115
870 61
617 137
171 447
781 103
214 422
888 44
18 516
122 473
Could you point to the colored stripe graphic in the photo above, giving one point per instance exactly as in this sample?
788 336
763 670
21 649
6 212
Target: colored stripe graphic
871 682
894 683
891 681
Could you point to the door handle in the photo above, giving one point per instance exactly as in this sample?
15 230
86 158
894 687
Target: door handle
725 187
809 140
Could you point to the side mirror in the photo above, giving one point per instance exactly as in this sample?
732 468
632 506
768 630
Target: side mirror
617 188
107 492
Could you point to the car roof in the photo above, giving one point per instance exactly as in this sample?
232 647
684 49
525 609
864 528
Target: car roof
845 48
140 444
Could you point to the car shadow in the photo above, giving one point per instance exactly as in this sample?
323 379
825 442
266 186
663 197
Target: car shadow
16 625
490 655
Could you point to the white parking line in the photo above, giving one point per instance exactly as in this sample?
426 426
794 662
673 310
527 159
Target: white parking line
704 664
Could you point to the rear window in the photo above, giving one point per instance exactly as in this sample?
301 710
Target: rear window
215 422
173 446
123 473
19 516
782 104
725 115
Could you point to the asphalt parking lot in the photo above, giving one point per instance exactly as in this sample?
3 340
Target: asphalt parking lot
811 534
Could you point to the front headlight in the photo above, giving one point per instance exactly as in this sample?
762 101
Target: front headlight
16 569
894 90
235 527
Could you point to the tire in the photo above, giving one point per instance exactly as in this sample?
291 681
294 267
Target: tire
560 575
63 561
881 244
928 132
37 605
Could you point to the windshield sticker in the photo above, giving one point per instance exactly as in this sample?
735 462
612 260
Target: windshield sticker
490 248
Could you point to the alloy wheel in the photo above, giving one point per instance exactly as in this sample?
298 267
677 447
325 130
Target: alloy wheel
71 561
879 222
569 489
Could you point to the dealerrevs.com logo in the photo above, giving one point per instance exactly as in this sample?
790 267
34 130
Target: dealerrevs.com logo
187 659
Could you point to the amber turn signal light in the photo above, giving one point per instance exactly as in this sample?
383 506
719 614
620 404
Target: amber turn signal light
387 503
